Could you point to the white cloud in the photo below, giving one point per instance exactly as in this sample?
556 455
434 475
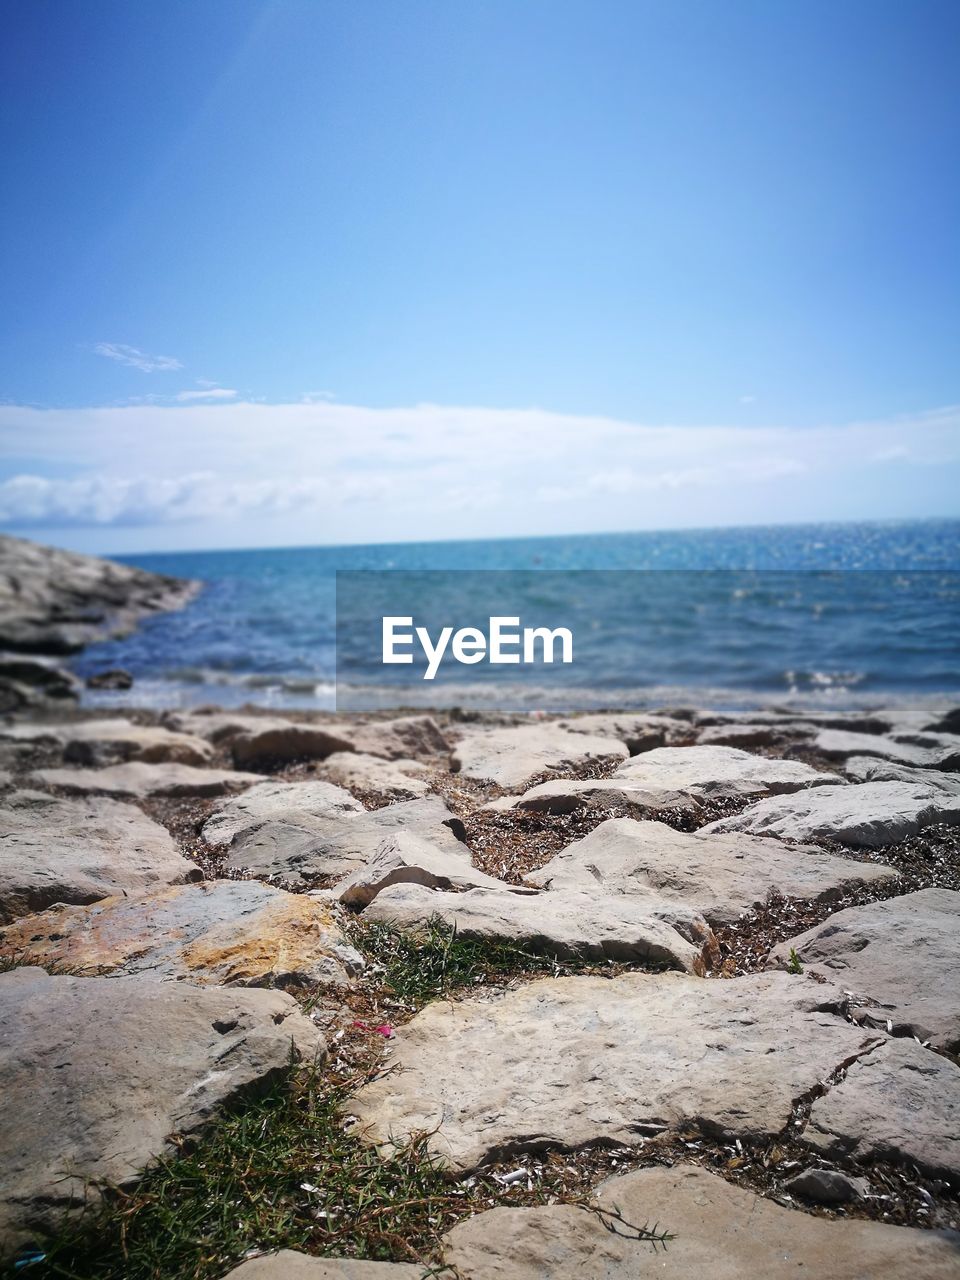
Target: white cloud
206 393
247 473
135 358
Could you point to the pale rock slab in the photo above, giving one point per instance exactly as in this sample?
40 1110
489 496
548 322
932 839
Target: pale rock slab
871 769
394 779
339 844
900 957
306 805
868 815
224 932
900 1102
99 1072
290 1265
407 859
721 1230
708 772
566 924
570 1061
217 726
720 876
78 851
99 742
511 757
637 732
417 736
138 781
559 796
836 744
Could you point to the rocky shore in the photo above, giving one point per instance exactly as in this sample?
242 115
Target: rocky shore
54 603
495 996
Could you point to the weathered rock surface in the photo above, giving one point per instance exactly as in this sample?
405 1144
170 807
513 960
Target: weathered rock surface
511 757
102 742
236 932
872 769
743 735
78 851
305 805
721 1230
709 772
55 602
718 875
568 923
827 1186
137 781
900 957
394 779
864 815
562 796
337 845
569 1061
289 1265
835 744
32 681
270 743
99 1072
417 736
900 1102
405 858
637 732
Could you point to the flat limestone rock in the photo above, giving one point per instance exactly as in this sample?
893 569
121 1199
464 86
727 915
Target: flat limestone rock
273 742
569 1061
236 932
901 957
718 875
418 736
405 858
100 742
707 772
720 1230
836 744
511 757
868 815
98 1073
566 924
339 844
299 804
290 1265
137 781
393 779
78 851
636 732
900 1102
872 769
560 796
216 726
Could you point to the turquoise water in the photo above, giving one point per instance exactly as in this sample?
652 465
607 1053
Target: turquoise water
819 613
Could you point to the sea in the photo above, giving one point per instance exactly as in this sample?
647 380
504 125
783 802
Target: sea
818 615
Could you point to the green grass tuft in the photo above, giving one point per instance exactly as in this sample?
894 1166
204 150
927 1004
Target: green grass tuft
281 1172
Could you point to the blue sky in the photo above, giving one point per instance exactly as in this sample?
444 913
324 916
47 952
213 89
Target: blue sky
316 272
